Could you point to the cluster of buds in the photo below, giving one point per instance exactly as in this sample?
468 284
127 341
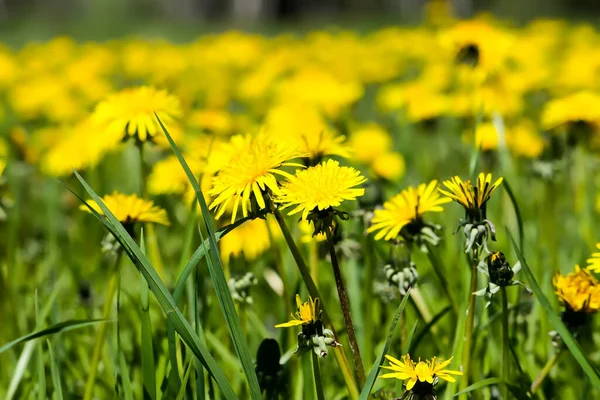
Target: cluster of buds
500 274
240 288
401 274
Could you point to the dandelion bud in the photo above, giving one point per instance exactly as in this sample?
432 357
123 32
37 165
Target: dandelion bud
501 273
402 275
240 288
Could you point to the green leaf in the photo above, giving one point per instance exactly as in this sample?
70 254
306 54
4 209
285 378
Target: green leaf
513 200
57 328
162 294
186 377
218 278
125 379
409 339
555 320
366 390
148 368
479 385
58 393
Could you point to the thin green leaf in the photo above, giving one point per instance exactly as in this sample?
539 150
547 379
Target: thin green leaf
57 328
148 367
40 355
162 294
481 384
218 278
513 200
186 377
428 327
555 320
407 345
58 393
125 379
366 390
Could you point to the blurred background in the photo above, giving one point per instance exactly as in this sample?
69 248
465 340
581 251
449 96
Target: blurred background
22 20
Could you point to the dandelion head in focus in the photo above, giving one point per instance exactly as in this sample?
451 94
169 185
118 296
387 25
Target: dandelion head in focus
130 112
405 209
129 209
307 313
578 291
252 169
419 377
322 187
472 198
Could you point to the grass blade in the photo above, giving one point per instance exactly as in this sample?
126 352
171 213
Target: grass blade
186 377
218 278
513 200
125 380
427 328
366 390
58 393
407 345
555 320
57 328
478 385
148 368
162 294
40 355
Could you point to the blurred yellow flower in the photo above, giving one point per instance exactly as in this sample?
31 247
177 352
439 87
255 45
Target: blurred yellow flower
131 112
579 291
129 209
368 142
307 230
421 371
582 106
322 187
390 166
211 120
250 239
594 260
251 171
405 208
524 140
486 136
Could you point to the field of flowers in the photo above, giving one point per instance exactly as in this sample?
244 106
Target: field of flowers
410 212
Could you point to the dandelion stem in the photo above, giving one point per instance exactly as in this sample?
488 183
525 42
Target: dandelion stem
339 283
466 358
505 343
317 376
546 370
101 335
314 292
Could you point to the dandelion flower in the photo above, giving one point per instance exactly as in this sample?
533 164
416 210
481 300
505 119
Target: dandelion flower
578 291
473 199
250 239
390 166
322 187
594 261
307 313
579 108
129 209
421 375
251 170
406 208
131 112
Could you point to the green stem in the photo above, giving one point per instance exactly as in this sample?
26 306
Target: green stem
314 292
505 344
317 376
468 338
546 370
101 335
368 294
345 303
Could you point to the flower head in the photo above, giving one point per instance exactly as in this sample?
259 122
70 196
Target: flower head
594 261
579 291
307 313
251 170
473 199
421 371
408 206
321 187
131 112
129 209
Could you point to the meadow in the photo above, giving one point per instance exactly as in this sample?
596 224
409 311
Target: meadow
409 212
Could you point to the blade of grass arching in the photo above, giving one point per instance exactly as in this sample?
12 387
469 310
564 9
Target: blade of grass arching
555 320
457 346
162 294
184 382
148 367
58 393
427 328
218 278
199 371
125 379
479 385
366 390
40 354
406 347
513 200
51 330
20 370
173 381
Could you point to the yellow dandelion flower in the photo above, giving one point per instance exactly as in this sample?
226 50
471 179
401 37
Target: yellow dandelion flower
308 313
131 112
129 209
250 239
406 207
471 198
251 170
390 166
321 187
594 261
369 142
421 371
579 291
580 107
